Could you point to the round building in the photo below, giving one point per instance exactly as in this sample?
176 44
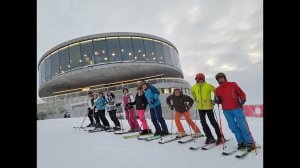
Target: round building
108 61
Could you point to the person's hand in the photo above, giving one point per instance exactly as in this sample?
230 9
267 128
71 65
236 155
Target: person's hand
171 107
118 104
218 100
241 101
188 107
213 102
153 100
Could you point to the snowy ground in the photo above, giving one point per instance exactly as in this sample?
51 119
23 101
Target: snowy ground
61 146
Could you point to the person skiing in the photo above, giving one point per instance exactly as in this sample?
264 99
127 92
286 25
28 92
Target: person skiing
232 98
141 105
201 92
111 109
182 103
129 111
91 109
100 110
152 96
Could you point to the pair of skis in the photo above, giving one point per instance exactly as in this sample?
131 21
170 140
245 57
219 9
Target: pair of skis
208 146
242 153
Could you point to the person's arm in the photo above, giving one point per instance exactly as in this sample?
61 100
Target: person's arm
213 89
168 100
190 100
241 94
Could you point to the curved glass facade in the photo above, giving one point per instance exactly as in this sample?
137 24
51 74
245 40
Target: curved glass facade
106 50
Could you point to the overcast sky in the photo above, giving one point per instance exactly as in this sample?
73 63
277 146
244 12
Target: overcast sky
211 35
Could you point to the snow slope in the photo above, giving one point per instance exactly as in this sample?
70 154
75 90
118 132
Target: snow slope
59 145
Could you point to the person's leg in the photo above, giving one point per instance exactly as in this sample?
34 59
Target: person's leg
213 122
97 119
133 119
154 121
242 125
205 127
90 115
114 118
189 120
177 122
128 119
103 118
233 125
143 119
161 119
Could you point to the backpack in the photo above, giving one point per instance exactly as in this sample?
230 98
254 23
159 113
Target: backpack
154 89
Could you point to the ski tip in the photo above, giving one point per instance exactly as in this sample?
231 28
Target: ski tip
204 148
161 142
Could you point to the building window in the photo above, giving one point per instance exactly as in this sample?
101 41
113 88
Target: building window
139 50
47 63
167 54
55 63
149 50
87 53
126 48
167 90
64 60
75 57
114 53
160 57
42 70
100 51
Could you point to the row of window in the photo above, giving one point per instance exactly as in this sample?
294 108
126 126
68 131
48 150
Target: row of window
104 50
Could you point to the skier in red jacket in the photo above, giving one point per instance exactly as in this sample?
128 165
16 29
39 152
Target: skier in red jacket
232 98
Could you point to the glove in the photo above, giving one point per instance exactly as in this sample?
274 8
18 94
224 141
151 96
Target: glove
118 104
188 107
89 109
153 100
218 100
171 107
213 102
241 101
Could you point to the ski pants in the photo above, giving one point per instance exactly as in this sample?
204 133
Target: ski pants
134 125
103 118
90 115
156 116
238 125
213 122
113 117
143 120
188 119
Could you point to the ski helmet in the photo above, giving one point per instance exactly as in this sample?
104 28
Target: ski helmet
220 74
200 76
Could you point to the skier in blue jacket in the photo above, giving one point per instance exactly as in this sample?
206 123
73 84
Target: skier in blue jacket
152 96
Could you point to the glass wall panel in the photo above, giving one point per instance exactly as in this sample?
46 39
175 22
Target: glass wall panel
100 51
75 57
159 52
42 69
139 50
150 51
177 59
47 63
114 52
64 61
87 53
174 63
126 49
167 54
54 63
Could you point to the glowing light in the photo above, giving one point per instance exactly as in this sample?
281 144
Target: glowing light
113 54
129 53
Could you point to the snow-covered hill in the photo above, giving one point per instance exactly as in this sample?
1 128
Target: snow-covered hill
59 145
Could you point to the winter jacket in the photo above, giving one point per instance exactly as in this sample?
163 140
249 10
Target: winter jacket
229 93
150 94
91 104
110 103
140 102
100 103
180 102
127 98
202 95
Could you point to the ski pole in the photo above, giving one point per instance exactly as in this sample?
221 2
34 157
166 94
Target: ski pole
223 140
251 136
83 121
